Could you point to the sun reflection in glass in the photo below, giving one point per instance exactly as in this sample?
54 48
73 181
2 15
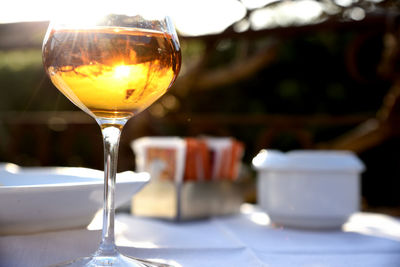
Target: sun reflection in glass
121 71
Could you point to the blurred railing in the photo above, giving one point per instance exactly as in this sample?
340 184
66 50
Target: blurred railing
72 138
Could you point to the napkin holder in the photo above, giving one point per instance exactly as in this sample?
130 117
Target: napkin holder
187 201
169 195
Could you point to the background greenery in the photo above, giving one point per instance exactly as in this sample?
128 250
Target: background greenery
327 73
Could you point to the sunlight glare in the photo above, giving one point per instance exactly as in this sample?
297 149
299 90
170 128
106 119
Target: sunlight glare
125 242
255 215
12 168
253 4
191 17
344 3
121 71
260 218
286 14
246 208
25 10
260 158
169 262
357 13
207 16
97 221
374 225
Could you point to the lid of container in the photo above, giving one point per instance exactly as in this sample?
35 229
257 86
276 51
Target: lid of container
308 160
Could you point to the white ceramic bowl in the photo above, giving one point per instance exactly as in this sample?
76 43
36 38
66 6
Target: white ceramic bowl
42 199
308 189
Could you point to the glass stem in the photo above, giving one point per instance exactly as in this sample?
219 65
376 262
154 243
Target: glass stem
111 136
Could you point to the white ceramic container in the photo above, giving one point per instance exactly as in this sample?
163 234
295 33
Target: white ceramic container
308 189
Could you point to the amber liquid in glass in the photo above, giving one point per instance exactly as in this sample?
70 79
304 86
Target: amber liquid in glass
111 72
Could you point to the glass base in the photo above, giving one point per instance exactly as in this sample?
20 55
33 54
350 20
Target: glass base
117 260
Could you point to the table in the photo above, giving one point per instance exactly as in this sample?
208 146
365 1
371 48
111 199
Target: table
241 240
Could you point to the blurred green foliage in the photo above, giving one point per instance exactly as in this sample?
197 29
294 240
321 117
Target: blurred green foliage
313 74
310 76
24 84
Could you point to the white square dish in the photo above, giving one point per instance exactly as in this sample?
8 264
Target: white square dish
52 198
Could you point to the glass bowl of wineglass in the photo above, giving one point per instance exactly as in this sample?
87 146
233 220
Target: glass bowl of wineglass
112 59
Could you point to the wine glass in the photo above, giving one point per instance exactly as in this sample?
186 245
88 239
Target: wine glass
112 59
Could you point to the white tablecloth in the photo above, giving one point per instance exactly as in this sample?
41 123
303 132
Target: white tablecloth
246 239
